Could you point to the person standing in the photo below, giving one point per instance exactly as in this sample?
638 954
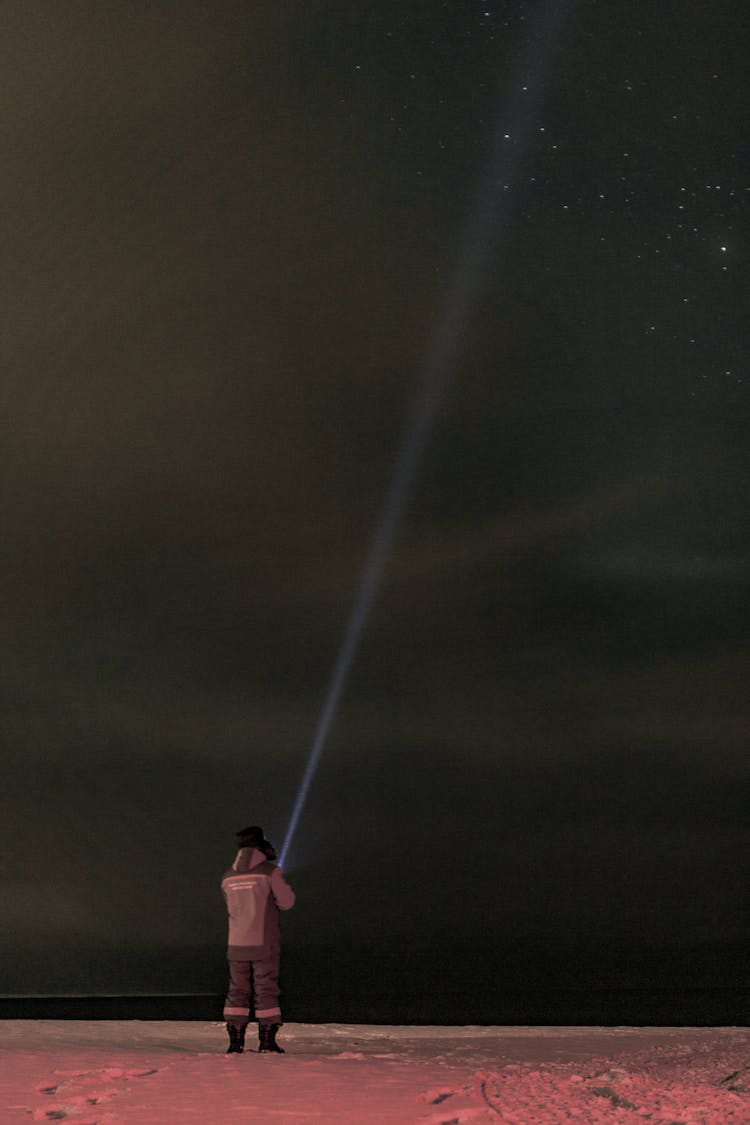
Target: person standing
254 890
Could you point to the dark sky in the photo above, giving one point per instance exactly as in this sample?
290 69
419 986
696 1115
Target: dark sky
228 235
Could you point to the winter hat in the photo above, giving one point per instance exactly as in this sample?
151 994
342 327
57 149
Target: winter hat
252 837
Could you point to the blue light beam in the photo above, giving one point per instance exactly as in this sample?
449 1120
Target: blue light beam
516 119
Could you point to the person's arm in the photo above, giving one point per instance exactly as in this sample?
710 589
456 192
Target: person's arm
282 892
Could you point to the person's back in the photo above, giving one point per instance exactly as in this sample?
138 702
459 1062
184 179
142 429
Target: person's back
255 890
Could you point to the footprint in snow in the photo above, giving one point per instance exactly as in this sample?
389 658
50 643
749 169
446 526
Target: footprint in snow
79 1095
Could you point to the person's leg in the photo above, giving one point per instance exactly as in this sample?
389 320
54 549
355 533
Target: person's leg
237 1004
266 989
267 1010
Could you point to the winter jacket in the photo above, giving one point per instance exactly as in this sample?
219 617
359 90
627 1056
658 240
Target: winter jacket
254 890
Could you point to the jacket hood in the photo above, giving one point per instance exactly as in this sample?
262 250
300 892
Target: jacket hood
247 858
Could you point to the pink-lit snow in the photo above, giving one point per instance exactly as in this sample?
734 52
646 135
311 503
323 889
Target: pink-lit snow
144 1073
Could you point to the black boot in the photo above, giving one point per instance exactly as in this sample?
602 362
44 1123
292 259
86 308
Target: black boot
236 1039
267 1038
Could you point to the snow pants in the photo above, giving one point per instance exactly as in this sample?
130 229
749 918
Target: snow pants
258 981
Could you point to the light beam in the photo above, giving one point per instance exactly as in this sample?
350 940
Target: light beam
518 110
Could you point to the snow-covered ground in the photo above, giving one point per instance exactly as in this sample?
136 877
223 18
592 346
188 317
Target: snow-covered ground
144 1073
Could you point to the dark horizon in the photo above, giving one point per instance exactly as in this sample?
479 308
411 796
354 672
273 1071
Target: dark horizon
361 985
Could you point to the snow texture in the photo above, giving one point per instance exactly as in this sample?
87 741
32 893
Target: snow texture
137 1073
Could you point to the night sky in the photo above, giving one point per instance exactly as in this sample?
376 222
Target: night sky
230 235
